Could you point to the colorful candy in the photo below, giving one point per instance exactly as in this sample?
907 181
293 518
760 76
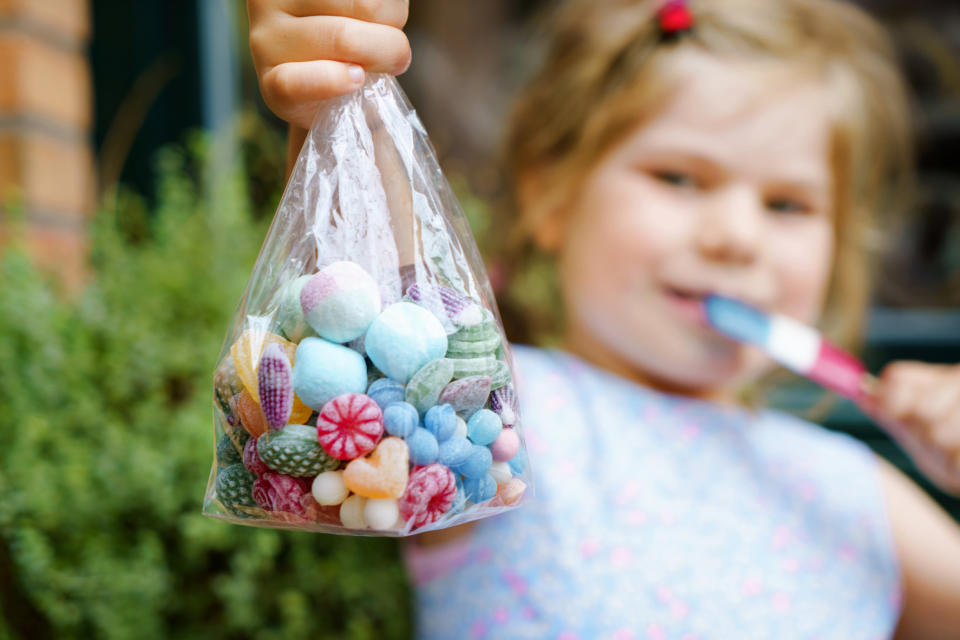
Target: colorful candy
235 486
423 446
426 384
484 427
503 401
340 301
480 489
441 421
381 513
477 463
511 492
459 308
251 459
386 391
294 451
323 370
279 492
428 496
454 451
328 488
246 352
227 453
519 462
351 512
506 446
349 426
500 471
275 385
383 474
251 416
466 395
400 419
404 338
290 318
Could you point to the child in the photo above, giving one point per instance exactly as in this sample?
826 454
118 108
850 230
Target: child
664 152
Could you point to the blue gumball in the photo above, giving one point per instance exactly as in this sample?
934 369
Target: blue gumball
454 451
403 339
483 427
400 419
480 489
477 463
323 370
441 421
519 462
423 446
384 391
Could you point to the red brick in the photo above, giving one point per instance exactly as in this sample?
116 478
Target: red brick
53 176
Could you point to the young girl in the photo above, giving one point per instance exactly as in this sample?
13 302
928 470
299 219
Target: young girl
665 152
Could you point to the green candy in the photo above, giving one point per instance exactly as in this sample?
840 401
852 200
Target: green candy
480 331
501 376
235 487
473 348
466 367
426 384
295 451
227 453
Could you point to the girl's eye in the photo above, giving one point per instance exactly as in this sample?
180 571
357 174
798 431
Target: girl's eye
787 205
675 178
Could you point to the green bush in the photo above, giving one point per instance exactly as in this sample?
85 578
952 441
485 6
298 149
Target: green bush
105 409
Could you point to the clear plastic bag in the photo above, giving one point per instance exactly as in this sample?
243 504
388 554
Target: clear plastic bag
365 386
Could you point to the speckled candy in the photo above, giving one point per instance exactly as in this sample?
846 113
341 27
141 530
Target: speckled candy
294 451
423 446
458 307
227 452
340 301
386 391
441 421
235 486
381 475
454 451
484 427
426 384
323 370
480 489
511 492
506 446
349 426
279 492
251 416
275 385
290 320
403 339
246 351
428 496
251 459
503 402
466 395
477 463
501 375
400 419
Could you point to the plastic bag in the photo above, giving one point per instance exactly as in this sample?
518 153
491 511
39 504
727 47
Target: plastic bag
365 386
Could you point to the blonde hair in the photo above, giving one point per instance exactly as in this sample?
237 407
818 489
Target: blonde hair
607 71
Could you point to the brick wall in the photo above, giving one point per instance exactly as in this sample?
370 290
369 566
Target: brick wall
46 162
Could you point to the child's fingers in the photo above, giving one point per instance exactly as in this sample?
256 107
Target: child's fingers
376 47
293 89
389 12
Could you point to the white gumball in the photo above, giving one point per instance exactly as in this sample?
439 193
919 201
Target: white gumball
351 512
381 513
501 472
328 488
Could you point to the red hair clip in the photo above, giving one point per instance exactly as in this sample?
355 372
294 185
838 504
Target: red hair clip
675 17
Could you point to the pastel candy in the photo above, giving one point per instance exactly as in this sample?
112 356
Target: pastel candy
484 427
454 451
349 426
381 475
480 489
461 429
500 471
275 385
428 495
290 318
279 492
481 330
455 305
227 453
519 462
251 459
251 416
503 401
400 419
294 451
426 384
246 351
234 486
506 446
501 375
477 463
511 492
386 391
466 395
328 488
404 338
472 348
460 499
423 447
323 370
351 512
340 301
381 513
441 421
466 367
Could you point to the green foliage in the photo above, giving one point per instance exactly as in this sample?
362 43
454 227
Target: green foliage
105 409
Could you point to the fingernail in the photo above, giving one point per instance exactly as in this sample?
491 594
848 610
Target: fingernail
356 74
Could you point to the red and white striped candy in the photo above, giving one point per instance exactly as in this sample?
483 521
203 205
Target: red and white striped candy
349 426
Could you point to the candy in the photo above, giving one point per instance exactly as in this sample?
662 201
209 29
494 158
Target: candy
510 493
227 453
461 347
501 375
500 472
404 338
460 499
251 416
441 421
349 426
466 395
381 513
235 486
423 446
226 383
251 459
426 384
454 451
324 514
519 462
275 385
461 429
400 419
328 488
481 330
477 462
323 370
506 446
351 512
386 391
246 352
466 367
484 427
503 401
279 492
381 475
480 489
290 318
340 301
294 451
428 496
456 306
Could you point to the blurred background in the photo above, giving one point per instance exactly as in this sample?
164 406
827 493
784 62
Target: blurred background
139 170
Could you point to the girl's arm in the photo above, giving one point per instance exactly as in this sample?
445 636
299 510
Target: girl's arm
928 547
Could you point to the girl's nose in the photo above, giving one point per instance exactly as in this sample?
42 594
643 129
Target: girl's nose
731 226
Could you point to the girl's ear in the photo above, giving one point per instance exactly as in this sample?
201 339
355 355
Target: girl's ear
544 217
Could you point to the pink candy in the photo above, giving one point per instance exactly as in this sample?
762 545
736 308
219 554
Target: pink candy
275 386
251 459
279 492
349 426
466 395
503 402
506 445
429 495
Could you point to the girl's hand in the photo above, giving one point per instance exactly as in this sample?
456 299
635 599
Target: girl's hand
306 51
919 405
